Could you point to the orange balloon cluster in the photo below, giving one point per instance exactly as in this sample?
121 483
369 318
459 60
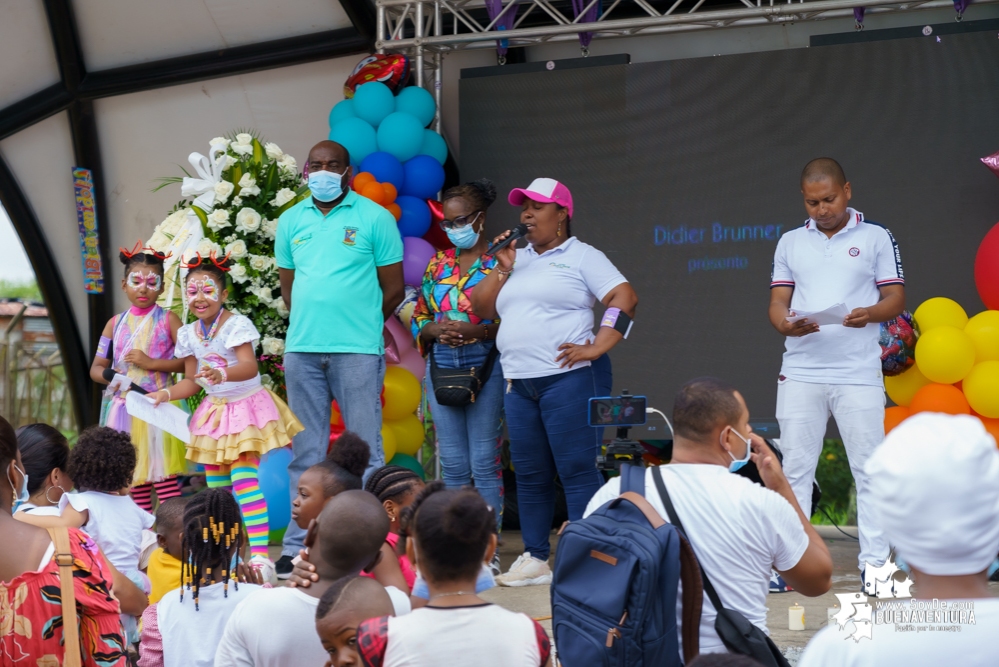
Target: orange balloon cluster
383 194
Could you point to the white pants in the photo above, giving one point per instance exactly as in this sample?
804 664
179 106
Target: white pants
803 410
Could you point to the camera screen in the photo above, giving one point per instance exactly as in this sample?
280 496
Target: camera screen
617 411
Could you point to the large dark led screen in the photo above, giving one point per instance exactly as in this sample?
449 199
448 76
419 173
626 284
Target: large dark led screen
685 173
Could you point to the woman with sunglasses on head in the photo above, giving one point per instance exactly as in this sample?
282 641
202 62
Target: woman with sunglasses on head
447 329
552 361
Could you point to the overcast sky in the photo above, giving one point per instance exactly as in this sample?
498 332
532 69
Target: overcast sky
15 264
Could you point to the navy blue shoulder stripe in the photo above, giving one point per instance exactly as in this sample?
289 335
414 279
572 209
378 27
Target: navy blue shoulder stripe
894 246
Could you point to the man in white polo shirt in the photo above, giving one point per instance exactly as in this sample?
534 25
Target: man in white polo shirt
837 257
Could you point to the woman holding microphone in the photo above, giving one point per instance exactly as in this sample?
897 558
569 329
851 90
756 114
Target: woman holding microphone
544 293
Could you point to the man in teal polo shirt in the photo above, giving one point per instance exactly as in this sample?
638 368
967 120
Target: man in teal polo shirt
339 256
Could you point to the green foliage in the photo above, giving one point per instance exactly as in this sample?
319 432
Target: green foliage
836 481
13 289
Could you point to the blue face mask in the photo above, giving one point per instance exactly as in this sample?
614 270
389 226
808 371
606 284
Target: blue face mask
326 186
463 237
22 495
736 464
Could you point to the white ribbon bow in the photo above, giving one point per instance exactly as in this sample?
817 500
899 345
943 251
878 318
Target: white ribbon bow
210 171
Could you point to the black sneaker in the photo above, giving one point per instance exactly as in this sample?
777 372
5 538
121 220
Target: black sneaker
284 566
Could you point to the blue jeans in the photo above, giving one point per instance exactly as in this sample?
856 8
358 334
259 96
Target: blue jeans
313 381
547 419
468 438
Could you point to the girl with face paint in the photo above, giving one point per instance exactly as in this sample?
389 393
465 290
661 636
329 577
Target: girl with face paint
239 419
138 345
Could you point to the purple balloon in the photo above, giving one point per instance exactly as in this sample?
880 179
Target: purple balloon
416 254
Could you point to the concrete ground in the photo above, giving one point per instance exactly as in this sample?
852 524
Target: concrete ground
535 600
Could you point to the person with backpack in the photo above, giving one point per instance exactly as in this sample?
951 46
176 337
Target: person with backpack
738 530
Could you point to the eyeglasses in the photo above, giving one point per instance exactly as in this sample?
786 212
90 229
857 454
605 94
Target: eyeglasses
460 221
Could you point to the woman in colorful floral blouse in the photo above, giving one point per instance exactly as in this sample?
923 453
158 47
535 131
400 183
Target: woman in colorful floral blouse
468 436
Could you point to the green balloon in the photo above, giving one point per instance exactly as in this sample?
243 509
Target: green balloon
409 462
276 536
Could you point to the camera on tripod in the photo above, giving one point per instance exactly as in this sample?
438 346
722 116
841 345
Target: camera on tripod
622 411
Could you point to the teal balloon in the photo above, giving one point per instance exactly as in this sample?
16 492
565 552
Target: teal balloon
408 462
434 146
357 136
373 101
400 134
341 110
418 102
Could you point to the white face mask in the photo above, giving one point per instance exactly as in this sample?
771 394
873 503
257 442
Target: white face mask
736 464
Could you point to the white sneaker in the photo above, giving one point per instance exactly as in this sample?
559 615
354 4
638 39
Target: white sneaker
526 571
267 570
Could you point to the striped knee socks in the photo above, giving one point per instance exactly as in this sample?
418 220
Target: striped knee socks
167 488
217 477
251 501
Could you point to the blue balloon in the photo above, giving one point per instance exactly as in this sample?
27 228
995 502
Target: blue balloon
415 220
357 136
373 101
342 109
424 177
418 102
385 168
272 475
434 146
401 135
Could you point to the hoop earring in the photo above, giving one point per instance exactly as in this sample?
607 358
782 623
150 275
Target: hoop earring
54 486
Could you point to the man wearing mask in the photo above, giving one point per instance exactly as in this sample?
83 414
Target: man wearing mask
339 256
739 530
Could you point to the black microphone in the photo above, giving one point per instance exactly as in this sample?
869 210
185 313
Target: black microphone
520 231
109 373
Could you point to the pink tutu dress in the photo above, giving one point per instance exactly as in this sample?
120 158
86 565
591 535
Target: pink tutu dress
236 417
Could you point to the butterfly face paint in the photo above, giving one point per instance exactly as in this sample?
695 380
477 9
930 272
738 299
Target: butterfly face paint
205 287
137 279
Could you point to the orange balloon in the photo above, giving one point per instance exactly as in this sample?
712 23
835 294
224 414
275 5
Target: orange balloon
363 179
395 211
373 191
940 398
992 426
390 193
895 416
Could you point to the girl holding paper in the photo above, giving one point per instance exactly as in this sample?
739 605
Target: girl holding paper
138 345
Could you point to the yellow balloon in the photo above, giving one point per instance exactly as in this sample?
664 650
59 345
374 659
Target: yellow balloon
408 433
981 388
388 441
945 354
402 393
901 388
938 312
984 331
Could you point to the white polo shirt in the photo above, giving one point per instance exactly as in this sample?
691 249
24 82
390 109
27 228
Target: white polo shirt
547 301
848 268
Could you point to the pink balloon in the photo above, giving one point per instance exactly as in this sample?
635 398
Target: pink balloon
414 362
402 337
417 253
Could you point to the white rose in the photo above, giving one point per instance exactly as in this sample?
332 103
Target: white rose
237 249
283 196
269 228
274 151
288 165
260 262
264 294
238 273
218 219
248 186
229 161
206 247
222 190
272 346
237 201
173 222
243 144
281 309
218 141
247 220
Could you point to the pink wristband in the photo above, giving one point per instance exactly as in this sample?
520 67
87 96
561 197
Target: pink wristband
102 347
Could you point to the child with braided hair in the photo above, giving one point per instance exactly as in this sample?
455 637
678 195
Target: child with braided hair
396 488
138 345
453 534
177 632
239 420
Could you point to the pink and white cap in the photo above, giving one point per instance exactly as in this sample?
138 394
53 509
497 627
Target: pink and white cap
544 190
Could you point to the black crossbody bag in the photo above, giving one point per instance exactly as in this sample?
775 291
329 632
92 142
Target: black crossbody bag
736 632
458 387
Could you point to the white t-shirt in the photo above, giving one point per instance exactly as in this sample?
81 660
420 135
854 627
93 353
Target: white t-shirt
547 301
275 627
115 523
484 635
190 637
220 352
739 530
902 643
38 510
848 268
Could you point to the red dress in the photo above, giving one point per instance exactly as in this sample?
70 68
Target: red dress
31 612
